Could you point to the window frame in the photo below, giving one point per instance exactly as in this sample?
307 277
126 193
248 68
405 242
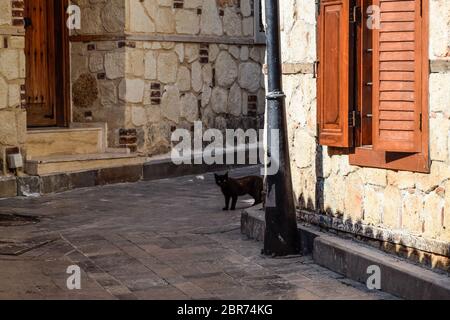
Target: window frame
363 153
258 20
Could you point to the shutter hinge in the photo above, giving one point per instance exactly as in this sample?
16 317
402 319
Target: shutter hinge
421 7
354 119
420 122
355 15
318 7
315 69
27 22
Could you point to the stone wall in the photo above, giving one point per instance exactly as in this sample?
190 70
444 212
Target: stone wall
12 74
101 17
191 17
97 69
159 75
410 204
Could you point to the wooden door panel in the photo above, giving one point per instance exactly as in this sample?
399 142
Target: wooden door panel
40 63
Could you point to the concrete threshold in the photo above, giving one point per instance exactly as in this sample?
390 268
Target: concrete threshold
353 259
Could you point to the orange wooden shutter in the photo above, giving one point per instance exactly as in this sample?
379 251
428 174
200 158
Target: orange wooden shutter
333 73
397 64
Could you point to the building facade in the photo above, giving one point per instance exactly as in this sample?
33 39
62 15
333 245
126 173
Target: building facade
369 117
112 88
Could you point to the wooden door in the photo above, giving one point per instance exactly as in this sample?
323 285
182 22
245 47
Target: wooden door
46 62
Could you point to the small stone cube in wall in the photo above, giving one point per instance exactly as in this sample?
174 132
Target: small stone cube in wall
178 4
155 93
17 13
204 54
252 105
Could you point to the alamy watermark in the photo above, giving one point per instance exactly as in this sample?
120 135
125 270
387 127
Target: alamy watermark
74 20
235 146
374 280
74 280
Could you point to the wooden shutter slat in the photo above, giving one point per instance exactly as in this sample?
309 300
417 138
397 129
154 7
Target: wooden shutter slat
333 74
397 77
397 46
397 26
397 16
396 106
397 125
397 56
395 6
396 66
397 115
396 86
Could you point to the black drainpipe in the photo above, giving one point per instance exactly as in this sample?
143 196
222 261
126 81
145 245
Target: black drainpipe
281 236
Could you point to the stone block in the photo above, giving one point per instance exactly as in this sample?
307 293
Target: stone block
187 22
398 277
167 67
211 24
84 179
5 12
171 103
226 70
119 175
55 183
8 187
250 74
132 90
392 208
9 63
115 65
3 93
412 212
29 186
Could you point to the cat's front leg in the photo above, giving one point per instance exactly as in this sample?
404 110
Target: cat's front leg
227 203
233 204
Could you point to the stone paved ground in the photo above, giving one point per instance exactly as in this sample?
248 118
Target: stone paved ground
167 239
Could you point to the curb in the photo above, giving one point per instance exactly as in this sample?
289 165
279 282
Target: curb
352 259
61 182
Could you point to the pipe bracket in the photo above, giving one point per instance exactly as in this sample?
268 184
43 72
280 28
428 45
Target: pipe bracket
275 95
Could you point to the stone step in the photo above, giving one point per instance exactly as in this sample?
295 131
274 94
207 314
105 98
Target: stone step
83 162
352 259
64 141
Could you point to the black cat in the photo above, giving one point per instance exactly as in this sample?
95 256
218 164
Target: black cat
234 188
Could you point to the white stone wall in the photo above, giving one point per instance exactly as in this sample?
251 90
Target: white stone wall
196 17
212 89
203 77
101 16
408 203
101 63
12 74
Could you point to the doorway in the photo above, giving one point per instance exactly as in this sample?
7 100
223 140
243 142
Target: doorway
47 81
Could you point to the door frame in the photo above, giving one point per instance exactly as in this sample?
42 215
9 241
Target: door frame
61 52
